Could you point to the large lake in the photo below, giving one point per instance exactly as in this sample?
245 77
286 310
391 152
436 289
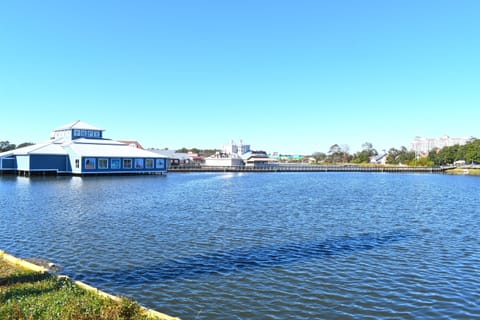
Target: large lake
260 245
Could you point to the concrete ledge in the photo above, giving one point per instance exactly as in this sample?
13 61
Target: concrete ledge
21 263
33 267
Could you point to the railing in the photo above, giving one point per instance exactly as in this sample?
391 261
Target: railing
310 168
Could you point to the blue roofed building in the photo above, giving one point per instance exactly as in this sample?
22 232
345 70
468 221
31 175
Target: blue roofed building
79 148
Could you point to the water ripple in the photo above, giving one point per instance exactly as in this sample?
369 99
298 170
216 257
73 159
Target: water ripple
268 246
226 262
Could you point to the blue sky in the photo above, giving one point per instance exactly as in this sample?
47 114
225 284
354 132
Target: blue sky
287 76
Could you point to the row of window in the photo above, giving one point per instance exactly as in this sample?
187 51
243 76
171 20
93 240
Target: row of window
105 163
87 133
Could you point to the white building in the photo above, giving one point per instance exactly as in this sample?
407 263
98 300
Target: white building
79 148
239 155
233 148
230 156
424 145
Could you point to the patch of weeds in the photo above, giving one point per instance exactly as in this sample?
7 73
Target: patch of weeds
51 298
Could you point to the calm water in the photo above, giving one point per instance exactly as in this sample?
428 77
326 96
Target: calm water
260 246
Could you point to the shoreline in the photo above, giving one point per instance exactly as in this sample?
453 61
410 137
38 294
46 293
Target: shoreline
19 264
464 171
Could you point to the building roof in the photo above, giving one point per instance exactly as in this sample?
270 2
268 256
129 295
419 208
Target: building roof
171 154
120 150
84 148
49 147
132 143
78 125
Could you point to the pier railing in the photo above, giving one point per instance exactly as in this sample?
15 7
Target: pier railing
310 168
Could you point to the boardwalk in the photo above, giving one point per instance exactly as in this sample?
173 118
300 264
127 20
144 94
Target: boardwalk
313 168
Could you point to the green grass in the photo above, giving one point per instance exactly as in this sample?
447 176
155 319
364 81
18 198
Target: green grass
36 296
461 171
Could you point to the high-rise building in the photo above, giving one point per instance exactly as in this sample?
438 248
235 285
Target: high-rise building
423 145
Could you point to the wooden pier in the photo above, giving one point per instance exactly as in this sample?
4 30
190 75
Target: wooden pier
312 168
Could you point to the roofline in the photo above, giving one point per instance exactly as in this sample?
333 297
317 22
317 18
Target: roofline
72 125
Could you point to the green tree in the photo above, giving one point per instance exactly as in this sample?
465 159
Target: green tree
421 162
6 146
472 152
25 144
319 156
367 152
335 153
434 156
182 150
392 156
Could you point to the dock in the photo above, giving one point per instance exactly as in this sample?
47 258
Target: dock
311 168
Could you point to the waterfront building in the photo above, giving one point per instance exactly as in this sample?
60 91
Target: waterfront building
221 159
258 159
238 155
422 145
179 158
379 159
79 148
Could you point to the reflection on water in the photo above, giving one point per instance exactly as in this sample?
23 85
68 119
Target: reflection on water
228 261
259 246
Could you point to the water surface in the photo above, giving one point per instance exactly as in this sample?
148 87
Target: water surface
259 246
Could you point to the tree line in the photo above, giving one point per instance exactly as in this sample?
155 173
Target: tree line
7 146
340 154
469 152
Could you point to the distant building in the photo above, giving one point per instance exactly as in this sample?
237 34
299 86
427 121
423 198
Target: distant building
236 155
80 149
233 148
133 144
258 159
424 145
179 158
379 159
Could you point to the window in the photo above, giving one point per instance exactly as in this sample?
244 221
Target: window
96 134
149 163
115 164
138 163
102 163
76 132
90 163
127 163
160 164
77 163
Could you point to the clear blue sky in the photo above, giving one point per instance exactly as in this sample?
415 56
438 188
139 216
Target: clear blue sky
289 76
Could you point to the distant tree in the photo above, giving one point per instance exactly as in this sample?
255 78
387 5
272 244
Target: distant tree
335 153
6 146
472 154
319 156
182 150
368 146
469 152
448 154
421 162
434 156
25 144
364 156
396 156
406 155
392 156
345 153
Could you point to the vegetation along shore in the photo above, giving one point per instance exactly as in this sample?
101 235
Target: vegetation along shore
28 291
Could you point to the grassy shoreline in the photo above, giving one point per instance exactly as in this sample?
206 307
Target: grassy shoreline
464 171
28 294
